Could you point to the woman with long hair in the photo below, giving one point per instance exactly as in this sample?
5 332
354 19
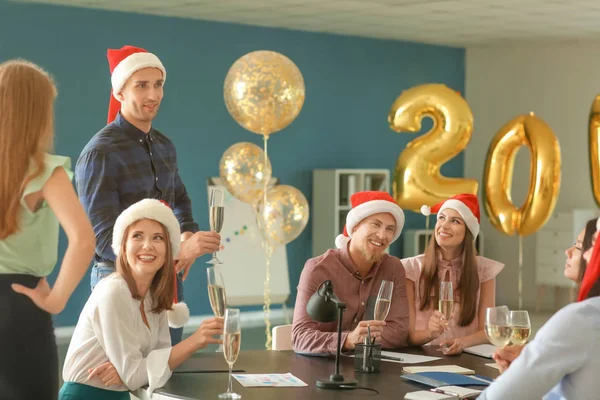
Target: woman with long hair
36 195
451 256
122 341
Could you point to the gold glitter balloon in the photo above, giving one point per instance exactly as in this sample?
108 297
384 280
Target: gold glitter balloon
285 215
264 91
244 171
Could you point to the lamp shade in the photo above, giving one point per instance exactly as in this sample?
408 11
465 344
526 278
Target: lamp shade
322 306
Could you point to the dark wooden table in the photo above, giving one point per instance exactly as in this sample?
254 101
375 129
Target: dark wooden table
205 376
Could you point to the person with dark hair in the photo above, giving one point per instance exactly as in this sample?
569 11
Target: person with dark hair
559 363
451 256
575 265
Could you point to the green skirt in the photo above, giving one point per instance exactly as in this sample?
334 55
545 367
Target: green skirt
79 391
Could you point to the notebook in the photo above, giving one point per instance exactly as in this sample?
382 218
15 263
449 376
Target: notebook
482 350
440 368
452 393
438 379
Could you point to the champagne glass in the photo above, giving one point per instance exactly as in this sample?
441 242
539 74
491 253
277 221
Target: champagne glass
216 293
384 300
446 303
232 340
521 326
216 217
497 326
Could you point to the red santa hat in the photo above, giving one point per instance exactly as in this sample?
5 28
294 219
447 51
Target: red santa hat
123 63
365 204
466 205
159 211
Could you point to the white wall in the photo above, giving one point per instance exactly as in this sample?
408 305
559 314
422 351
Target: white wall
558 81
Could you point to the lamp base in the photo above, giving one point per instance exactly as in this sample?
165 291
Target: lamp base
329 384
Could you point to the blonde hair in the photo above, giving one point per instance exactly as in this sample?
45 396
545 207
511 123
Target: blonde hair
162 288
27 96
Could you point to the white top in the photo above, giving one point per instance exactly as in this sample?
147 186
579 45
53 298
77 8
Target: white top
110 328
562 362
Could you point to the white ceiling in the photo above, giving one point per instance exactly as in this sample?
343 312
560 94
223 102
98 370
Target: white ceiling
447 22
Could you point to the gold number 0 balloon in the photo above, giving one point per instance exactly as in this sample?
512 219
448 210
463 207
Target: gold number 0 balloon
594 132
417 178
544 175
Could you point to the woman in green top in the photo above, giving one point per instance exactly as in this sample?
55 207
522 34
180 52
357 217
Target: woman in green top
35 196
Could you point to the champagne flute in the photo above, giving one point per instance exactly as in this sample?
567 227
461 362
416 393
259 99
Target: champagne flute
521 327
216 217
446 303
497 326
216 293
384 300
232 340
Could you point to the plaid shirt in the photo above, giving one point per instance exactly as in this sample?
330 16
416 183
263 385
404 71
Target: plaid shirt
122 165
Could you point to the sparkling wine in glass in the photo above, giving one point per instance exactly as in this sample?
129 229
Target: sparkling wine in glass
216 293
521 327
216 217
232 339
446 302
497 325
384 300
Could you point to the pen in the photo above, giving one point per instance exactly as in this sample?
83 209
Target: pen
436 390
384 357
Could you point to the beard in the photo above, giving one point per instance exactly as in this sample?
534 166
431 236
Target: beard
371 256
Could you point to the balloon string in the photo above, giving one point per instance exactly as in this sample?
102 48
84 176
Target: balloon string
268 248
520 281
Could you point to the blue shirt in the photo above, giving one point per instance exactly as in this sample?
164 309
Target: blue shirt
122 165
562 362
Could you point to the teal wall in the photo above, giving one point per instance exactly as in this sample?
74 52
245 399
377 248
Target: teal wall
351 83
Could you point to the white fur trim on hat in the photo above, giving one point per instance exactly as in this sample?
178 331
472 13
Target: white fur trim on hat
426 210
372 207
147 209
465 212
341 241
130 65
179 315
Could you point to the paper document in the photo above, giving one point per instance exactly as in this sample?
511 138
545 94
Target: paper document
482 350
268 380
493 365
404 358
456 369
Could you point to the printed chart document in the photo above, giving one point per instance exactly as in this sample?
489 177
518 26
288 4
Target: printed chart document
268 380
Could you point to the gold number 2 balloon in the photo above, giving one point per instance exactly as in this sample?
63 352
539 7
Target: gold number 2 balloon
417 178
594 132
544 175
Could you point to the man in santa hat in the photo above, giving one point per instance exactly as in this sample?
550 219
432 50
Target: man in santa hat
357 269
129 160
